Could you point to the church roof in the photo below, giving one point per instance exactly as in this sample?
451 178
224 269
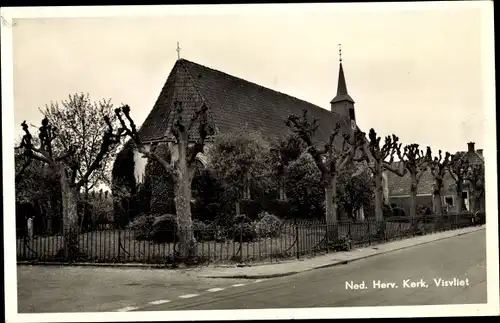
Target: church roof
232 102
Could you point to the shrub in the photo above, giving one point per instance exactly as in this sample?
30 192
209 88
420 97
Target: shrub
244 232
423 210
203 231
343 244
241 218
397 211
268 225
142 226
164 229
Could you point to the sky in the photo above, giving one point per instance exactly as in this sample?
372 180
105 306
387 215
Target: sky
416 73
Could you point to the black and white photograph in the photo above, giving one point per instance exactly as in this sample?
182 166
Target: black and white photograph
249 161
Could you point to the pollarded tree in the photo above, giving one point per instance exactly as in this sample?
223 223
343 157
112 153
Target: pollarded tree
438 167
80 124
330 160
376 157
458 168
238 159
283 151
182 166
67 166
415 162
475 178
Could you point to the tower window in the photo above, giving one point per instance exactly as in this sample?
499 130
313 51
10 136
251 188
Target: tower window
351 114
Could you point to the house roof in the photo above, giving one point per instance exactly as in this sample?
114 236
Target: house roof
401 185
474 158
233 104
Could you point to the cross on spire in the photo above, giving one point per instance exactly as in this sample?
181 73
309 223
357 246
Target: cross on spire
340 52
178 51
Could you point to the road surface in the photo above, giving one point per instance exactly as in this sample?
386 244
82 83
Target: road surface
461 257
413 271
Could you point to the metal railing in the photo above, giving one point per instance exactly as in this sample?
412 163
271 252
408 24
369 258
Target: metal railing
241 244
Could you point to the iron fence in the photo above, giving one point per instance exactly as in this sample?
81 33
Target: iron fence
292 239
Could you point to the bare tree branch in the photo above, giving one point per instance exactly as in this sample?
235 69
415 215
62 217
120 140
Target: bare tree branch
109 139
132 133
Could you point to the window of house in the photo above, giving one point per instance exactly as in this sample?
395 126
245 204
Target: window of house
449 200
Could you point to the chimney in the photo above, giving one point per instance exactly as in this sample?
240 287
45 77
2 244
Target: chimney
471 147
480 152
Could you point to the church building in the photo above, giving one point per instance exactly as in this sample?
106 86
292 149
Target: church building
234 103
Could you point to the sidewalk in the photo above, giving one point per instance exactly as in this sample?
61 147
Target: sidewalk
296 266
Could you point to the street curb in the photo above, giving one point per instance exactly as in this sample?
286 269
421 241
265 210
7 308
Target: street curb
87 264
262 276
342 262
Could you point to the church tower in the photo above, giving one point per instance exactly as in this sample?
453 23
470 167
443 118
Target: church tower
342 103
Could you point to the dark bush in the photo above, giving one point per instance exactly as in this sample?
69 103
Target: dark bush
164 229
142 226
423 210
203 231
397 211
244 232
241 218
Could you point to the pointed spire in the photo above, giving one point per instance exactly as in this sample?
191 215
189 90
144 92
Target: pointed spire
341 85
342 94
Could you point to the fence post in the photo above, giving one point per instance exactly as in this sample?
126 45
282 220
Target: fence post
173 251
369 233
65 243
24 244
119 243
241 240
297 236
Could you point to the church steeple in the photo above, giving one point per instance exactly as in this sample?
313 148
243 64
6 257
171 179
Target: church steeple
342 103
342 94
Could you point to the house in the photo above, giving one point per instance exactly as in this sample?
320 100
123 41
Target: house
399 187
234 103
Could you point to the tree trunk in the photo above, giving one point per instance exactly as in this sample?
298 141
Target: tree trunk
48 214
413 196
472 201
237 206
331 208
379 195
85 201
437 202
182 191
460 199
70 218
